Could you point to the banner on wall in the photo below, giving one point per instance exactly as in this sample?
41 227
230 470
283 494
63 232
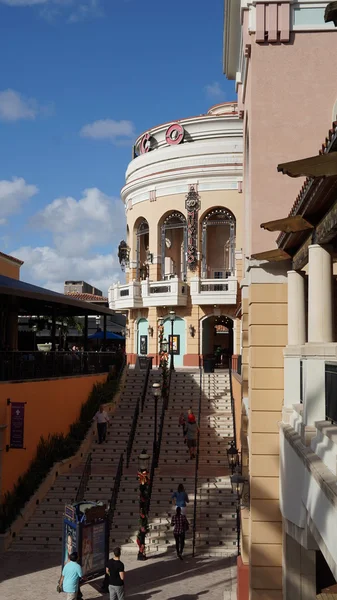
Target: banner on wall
17 425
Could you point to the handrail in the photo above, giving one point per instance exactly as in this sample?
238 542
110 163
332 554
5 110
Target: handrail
155 458
197 460
232 400
147 374
84 479
115 490
132 433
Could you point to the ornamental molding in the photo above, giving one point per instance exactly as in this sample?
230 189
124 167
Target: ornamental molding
192 205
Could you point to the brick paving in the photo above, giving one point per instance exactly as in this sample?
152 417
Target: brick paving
165 577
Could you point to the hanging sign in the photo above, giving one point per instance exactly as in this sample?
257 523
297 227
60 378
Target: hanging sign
17 424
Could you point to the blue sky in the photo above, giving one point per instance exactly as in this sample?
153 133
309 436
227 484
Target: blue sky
80 79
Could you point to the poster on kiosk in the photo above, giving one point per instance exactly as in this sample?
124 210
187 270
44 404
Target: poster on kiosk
86 531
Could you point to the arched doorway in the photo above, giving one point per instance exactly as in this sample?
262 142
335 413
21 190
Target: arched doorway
142 337
174 246
218 244
179 338
217 339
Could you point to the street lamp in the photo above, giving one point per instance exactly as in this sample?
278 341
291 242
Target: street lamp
143 461
172 319
232 455
156 394
238 484
34 332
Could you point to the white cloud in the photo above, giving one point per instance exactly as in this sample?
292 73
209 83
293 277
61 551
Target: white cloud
12 195
13 106
76 10
214 90
84 233
23 2
108 129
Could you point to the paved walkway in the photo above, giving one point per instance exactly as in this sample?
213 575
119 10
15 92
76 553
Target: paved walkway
161 578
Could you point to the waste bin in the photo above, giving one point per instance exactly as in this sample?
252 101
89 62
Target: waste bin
209 365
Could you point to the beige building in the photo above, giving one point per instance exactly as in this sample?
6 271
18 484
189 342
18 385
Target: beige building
269 50
183 251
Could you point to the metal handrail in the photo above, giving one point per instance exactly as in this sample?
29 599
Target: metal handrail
147 374
232 400
155 458
84 479
197 461
132 433
115 490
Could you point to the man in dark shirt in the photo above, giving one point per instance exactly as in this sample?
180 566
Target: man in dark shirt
116 573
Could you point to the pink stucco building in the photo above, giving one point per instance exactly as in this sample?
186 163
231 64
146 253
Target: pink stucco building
283 57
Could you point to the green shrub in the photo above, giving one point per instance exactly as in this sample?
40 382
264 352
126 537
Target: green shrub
55 448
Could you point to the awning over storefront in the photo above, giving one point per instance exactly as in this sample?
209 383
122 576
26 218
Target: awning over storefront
322 165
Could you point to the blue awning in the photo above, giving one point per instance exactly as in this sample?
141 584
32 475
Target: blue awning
99 335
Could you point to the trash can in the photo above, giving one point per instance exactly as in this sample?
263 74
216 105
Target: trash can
209 364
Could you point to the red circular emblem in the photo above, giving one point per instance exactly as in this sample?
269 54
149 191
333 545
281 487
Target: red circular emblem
145 144
174 134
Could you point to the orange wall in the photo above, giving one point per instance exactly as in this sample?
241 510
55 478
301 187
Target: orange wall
9 269
52 406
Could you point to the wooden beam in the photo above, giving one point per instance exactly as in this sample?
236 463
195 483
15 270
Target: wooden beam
288 225
322 165
275 255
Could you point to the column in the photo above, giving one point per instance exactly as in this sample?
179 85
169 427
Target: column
296 338
104 333
320 295
85 333
296 309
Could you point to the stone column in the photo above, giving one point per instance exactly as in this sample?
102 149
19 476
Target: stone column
320 321
296 309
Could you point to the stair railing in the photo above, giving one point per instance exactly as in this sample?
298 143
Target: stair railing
84 479
155 458
147 374
115 490
197 462
138 408
232 402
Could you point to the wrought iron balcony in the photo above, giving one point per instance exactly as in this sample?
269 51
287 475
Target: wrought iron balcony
125 296
214 291
171 292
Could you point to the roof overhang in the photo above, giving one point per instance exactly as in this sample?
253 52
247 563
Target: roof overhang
275 255
232 38
322 165
288 225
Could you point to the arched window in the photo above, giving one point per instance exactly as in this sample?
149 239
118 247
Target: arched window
142 249
174 246
218 244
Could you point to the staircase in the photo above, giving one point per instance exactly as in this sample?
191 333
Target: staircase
125 526
44 529
216 507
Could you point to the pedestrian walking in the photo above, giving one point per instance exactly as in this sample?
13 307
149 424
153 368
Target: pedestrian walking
192 431
116 572
180 499
70 578
182 423
180 524
102 420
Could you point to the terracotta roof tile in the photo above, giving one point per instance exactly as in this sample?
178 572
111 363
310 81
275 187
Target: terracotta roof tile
12 258
87 297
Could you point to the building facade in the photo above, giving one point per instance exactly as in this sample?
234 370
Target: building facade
183 250
269 50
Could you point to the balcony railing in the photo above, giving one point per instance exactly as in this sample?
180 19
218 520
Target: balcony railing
19 366
331 392
125 296
172 292
214 291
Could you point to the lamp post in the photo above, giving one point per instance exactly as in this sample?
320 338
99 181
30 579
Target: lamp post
232 455
144 493
238 484
34 337
156 393
172 319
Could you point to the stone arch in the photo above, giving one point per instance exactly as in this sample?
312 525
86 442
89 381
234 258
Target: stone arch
218 249
173 244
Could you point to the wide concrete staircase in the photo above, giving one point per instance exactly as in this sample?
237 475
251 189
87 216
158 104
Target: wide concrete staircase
216 508
125 526
44 529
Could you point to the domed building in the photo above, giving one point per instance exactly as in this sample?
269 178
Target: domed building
183 250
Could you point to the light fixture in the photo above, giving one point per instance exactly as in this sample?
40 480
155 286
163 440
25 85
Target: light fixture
150 330
149 257
127 332
156 389
143 461
192 330
232 455
160 321
164 345
172 315
238 483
